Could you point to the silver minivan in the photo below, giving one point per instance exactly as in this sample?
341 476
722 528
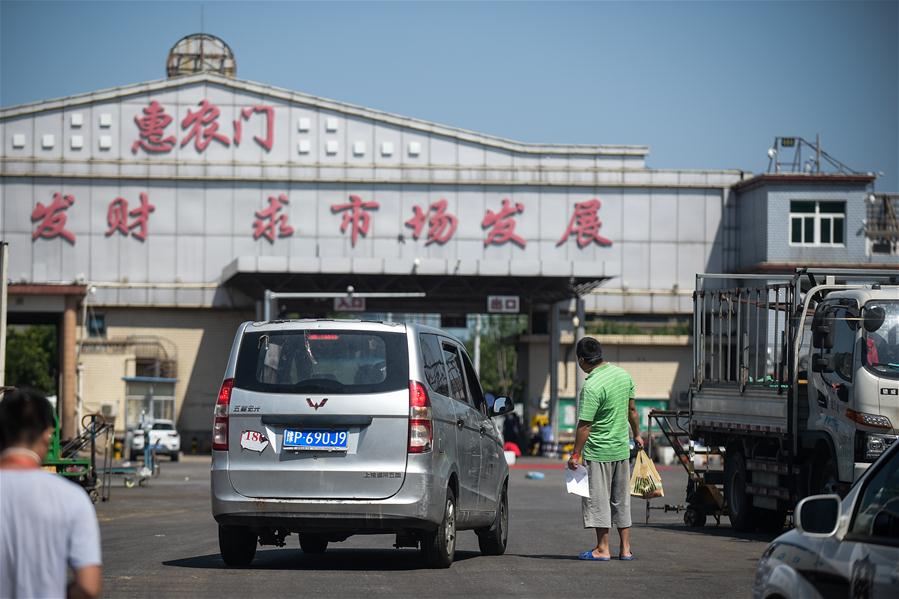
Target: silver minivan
332 428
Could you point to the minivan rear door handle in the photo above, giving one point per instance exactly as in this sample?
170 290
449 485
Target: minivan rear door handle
460 423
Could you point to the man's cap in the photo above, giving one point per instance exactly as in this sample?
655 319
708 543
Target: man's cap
589 349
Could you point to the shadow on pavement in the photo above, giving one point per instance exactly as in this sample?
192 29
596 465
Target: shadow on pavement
334 559
545 556
714 531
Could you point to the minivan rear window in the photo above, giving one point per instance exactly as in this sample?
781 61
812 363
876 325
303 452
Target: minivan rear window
322 361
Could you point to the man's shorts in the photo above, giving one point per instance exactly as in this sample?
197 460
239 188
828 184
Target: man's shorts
609 504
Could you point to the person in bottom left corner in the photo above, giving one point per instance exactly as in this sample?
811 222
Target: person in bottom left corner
47 523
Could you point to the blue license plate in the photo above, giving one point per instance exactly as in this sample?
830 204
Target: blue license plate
320 440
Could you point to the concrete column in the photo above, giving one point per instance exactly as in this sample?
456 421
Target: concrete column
579 333
555 334
67 368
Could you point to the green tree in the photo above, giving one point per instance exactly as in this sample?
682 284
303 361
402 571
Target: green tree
499 354
31 358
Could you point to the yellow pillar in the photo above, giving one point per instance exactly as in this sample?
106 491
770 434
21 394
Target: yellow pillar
67 368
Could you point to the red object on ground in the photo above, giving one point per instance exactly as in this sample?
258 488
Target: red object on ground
509 446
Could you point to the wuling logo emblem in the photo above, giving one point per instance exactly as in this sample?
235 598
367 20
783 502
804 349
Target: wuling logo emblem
312 404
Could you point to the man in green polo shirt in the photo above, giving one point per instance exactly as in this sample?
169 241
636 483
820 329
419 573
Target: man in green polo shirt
602 441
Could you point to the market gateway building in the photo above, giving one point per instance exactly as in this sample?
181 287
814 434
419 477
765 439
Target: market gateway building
148 221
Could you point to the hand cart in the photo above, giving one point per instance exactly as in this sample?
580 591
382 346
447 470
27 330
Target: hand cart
704 496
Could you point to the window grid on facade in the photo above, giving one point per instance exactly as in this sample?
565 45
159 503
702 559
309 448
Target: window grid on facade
817 223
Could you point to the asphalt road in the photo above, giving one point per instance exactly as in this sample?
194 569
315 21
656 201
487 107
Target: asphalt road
161 541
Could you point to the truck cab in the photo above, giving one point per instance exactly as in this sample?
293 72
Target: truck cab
853 384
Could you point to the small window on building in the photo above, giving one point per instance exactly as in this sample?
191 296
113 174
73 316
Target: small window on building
817 223
96 325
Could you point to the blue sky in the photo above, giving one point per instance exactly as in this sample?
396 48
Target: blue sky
704 84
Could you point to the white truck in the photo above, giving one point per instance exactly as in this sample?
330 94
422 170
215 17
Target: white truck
796 380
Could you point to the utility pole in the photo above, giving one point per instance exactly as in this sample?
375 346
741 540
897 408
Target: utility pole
817 152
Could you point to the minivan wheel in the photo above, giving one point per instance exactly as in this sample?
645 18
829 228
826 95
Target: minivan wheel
492 541
313 544
237 545
439 547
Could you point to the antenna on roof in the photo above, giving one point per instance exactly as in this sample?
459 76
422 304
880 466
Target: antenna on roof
792 162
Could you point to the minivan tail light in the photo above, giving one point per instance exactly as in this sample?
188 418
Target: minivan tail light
421 432
220 417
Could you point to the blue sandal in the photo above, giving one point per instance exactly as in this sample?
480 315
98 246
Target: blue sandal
588 555
626 558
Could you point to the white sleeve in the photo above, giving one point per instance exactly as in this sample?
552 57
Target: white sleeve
83 533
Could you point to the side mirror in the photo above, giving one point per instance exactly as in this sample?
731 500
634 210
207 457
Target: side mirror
822 329
502 405
818 515
873 318
821 363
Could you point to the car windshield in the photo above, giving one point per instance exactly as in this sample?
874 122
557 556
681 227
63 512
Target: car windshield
323 361
882 345
163 426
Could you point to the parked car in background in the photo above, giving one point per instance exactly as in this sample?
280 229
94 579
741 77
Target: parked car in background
333 428
163 437
840 548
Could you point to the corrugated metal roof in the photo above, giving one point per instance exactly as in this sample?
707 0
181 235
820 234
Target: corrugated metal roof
125 91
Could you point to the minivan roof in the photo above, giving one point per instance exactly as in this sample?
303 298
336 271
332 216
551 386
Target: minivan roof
344 323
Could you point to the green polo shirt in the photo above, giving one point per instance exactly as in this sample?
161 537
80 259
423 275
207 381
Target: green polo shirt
604 402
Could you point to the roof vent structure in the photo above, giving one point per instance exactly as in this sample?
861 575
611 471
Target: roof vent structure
200 53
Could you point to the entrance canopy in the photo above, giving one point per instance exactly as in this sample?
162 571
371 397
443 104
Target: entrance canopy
465 291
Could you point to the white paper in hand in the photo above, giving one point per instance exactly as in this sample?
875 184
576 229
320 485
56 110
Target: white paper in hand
576 481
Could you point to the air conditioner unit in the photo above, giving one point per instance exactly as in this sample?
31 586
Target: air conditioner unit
109 410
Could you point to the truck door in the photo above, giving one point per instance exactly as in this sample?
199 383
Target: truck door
833 390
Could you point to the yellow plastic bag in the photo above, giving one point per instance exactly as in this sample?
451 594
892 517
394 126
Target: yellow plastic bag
645 480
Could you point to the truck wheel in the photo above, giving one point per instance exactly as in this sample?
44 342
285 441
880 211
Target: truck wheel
439 547
176 455
492 540
694 518
237 545
313 544
739 502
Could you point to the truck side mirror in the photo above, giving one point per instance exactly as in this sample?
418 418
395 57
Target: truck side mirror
873 318
502 405
821 363
823 328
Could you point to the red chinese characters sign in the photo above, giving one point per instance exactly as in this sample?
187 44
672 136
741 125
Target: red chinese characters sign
269 218
585 224
502 225
117 217
436 222
151 128
53 218
441 224
200 126
355 217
